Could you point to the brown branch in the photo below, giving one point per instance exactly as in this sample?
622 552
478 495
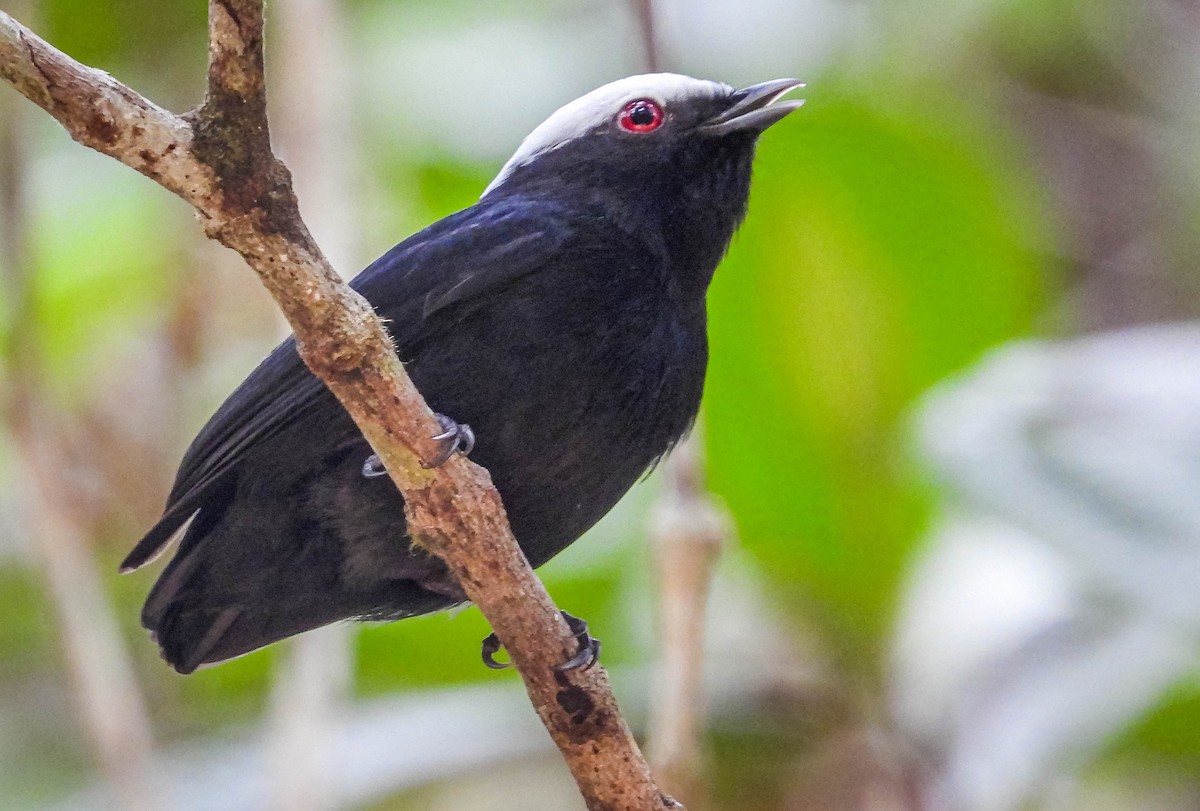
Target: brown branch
218 159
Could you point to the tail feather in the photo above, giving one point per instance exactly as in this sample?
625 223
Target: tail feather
269 556
202 611
187 640
156 541
181 516
191 636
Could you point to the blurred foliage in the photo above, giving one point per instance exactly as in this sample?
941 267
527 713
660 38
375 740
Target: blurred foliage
1168 736
108 282
884 249
162 45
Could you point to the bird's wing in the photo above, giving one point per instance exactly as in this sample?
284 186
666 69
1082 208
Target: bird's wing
460 259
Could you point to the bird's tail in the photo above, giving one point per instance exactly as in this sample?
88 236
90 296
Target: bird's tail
197 619
210 605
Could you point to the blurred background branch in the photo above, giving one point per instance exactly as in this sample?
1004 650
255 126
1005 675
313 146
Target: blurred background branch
689 531
308 72
58 531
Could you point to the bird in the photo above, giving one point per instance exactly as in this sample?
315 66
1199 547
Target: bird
557 326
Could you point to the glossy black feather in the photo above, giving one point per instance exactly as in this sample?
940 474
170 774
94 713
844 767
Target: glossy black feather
562 317
407 284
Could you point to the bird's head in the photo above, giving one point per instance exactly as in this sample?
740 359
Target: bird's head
659 152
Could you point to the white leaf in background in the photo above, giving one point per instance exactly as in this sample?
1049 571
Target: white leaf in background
1062 605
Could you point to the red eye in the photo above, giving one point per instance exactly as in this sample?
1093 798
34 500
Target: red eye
642 115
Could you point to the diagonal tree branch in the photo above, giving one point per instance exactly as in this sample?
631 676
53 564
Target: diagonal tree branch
218 159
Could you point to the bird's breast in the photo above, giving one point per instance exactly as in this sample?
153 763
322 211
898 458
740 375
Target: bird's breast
573 392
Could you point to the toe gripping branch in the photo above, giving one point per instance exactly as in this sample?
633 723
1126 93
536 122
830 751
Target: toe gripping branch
455 437
588 654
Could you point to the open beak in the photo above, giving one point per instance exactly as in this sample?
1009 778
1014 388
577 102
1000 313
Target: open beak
755 108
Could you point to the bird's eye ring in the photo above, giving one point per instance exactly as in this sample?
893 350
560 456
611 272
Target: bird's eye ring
641 115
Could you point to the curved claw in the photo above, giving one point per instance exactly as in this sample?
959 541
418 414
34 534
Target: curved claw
589 646
491 646
454 437
586 657
373 468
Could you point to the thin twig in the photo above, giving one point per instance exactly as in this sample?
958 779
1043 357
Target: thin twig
218 159
689 530
111 707
651 52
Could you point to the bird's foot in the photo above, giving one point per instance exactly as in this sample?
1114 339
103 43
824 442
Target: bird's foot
455 436
588 654
589 646
373 468
492 646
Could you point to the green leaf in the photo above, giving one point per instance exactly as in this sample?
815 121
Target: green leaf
883 250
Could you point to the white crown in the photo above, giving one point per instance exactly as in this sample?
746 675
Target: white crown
581 116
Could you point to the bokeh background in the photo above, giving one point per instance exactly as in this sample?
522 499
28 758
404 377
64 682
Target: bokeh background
953 413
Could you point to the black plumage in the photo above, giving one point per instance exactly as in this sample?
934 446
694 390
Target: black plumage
562 317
